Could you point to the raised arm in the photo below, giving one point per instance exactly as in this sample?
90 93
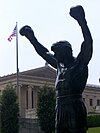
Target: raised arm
87 46
40 49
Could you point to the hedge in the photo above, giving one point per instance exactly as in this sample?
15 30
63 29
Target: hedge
93 120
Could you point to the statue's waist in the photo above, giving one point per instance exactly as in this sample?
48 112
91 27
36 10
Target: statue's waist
68 98
68 92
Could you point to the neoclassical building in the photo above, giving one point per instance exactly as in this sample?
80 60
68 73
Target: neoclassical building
31 81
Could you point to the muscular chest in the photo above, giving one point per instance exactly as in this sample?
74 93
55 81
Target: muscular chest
72 79
63 78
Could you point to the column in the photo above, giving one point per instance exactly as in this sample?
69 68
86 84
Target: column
29 97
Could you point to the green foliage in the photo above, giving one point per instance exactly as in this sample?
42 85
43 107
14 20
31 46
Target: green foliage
46 109
93 120
9 111
94 130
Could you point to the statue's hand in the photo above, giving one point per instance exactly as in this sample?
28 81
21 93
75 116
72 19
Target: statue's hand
77 13
27 32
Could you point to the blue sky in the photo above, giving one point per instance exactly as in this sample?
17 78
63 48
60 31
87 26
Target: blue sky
51 22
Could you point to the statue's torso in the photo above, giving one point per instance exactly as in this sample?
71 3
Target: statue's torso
72 80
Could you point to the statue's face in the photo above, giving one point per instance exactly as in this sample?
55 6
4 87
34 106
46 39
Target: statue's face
63 55
58 56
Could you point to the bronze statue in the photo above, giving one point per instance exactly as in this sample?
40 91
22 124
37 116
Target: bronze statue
72 74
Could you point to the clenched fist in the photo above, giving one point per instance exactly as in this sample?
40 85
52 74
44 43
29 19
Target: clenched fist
27 32
78 13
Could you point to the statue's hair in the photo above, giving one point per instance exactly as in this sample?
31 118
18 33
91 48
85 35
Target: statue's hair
61 44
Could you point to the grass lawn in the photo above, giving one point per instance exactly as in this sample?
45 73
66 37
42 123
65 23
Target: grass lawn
94 130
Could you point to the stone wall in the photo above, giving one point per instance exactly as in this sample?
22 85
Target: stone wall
29 126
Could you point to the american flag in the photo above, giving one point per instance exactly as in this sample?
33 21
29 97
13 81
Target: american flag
13 34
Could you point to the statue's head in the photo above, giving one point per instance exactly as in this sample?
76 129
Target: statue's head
62 51
60 46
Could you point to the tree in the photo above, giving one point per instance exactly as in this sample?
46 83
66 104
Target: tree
9 111
46 109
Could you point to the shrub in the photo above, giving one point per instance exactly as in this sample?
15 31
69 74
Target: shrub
46 109
9 111
93 120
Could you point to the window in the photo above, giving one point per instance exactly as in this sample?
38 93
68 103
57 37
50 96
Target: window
32 99
91 102
84 99
98 102
26 99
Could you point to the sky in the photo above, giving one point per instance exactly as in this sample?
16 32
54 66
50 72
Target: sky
51 22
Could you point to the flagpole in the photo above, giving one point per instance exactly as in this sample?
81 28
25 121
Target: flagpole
17 69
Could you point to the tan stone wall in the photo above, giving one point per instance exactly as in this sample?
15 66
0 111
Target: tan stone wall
29 126
91 93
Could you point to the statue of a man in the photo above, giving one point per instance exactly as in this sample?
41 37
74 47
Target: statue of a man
72 74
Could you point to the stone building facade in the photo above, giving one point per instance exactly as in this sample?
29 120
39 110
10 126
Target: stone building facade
31 81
